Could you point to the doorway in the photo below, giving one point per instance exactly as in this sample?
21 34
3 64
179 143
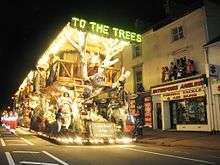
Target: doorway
159 116
173 115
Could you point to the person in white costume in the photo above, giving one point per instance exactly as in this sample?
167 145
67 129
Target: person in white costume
65 103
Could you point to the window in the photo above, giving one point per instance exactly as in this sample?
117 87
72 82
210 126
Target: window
138 78
190 111
137 50
177 33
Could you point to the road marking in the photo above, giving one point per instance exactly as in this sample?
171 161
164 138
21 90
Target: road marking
215 156
27 141
171 156
2 142
55 158
12 139
16 144
26 152
41 163
105 146
9 158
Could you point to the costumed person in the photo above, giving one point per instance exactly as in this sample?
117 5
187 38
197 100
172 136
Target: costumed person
14 121
59 120
31 116
6 119
75 114
64 103
53 68
3 119
139 115
10 119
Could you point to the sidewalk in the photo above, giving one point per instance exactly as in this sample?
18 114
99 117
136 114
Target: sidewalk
203 140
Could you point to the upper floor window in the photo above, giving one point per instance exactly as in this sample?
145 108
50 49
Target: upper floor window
138 76
177 33
137 50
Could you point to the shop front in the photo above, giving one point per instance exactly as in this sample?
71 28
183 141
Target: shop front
181 105
216 105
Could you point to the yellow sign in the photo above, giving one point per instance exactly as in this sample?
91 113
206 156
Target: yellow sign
105 30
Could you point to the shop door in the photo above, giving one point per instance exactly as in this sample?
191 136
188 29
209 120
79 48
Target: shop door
159 116
173 114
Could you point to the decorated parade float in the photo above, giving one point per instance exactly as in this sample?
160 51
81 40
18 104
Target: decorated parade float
76 93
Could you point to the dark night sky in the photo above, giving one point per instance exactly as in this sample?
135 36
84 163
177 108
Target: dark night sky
28 26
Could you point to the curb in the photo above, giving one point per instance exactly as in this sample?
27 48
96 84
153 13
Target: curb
174 145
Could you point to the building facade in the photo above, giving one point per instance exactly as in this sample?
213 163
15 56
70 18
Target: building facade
171 64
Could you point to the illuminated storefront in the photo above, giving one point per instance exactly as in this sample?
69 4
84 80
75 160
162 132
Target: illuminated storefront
181 105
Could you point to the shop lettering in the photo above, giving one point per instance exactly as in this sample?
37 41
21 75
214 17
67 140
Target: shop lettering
192 90
105 30
191 84
189 93
167 89
179 86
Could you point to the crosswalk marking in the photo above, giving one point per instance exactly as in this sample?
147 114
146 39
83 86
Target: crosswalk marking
9 158
55 158
41 163
27 141
26 152
2 142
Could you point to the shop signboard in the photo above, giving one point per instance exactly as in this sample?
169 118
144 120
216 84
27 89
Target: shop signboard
105 30
102 129
182 90
184 94
148 112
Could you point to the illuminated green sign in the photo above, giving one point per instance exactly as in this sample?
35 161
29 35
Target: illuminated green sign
105 30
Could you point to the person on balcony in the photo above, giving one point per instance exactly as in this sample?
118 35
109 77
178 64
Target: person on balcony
190 70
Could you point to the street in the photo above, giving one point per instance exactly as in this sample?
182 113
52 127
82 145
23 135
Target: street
26 148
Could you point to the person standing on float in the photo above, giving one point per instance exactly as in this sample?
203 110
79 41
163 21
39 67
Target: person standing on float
64 103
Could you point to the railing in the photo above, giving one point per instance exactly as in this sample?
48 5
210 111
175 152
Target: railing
68 71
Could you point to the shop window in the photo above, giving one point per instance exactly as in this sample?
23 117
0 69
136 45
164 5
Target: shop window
177 33
137 50
138 77
190 111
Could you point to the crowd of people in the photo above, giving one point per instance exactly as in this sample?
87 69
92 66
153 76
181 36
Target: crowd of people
177 69
9 120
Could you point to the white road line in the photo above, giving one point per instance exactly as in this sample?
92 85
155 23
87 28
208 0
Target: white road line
2 142
16 144
27 141
12 139
215 156
9 158
41 163
171 156
55 158
106 146
26 152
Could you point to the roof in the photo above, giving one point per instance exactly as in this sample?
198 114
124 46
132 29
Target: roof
198 4
216 39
